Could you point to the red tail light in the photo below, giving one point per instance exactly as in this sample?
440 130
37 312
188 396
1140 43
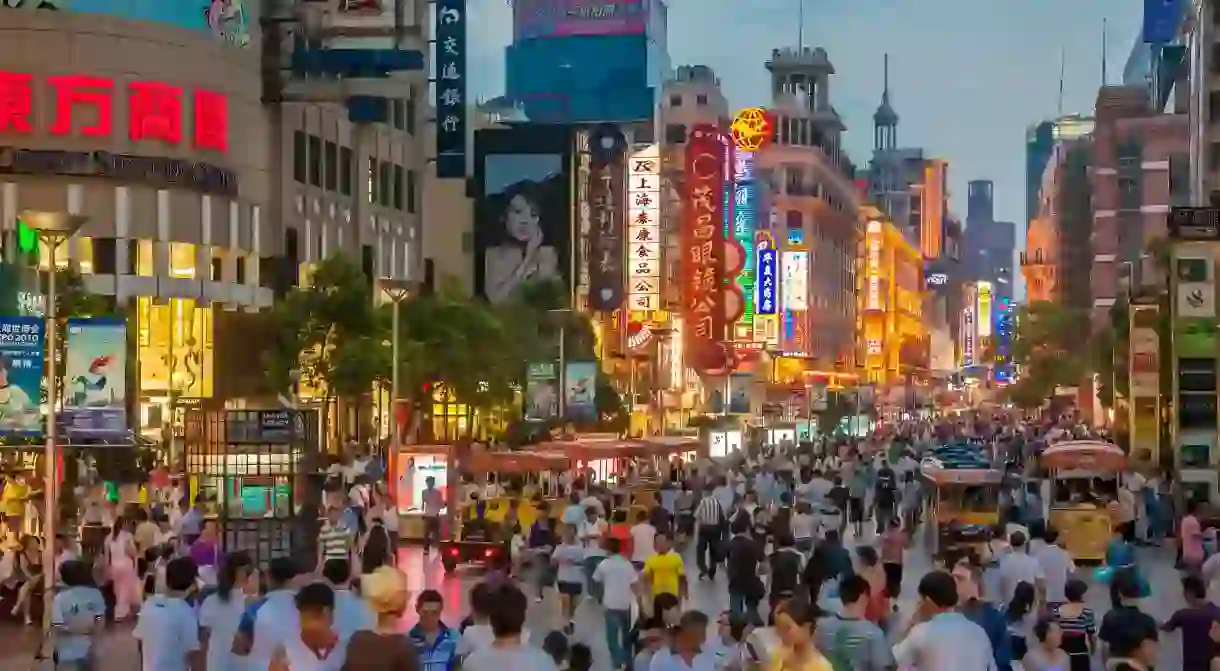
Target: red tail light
453 552
489 553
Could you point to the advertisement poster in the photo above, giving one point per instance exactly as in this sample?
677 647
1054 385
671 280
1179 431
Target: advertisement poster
534 19
541 390
644 229
95 378
580 389
606 240
522 233
449 97
21 360
702 245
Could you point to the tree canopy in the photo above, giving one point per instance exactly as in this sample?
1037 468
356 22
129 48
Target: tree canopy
1050 344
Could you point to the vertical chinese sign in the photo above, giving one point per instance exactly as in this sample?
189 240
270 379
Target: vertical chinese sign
644 229
607 243
766 299
1145 383
450 92
95 365
745 200
21 360
873 298
702 245
794 269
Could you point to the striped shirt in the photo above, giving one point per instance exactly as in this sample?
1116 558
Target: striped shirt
709 512
335 541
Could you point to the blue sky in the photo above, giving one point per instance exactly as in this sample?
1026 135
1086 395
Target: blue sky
967 76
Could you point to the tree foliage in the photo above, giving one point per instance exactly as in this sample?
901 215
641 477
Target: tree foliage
1051 345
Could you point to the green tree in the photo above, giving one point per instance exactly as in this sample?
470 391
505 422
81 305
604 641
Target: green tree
332 335
1051 345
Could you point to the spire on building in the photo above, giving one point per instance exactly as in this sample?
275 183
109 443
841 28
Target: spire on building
885 119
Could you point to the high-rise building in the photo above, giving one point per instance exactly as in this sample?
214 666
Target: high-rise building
812 192
1040 141
1139 170
586 64
990 245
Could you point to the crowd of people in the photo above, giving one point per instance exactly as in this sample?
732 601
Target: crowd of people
813 541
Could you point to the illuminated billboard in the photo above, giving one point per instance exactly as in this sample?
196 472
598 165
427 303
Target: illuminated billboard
227 20
644 229
533 19
794 273
984 309
873 300
745 203
968 337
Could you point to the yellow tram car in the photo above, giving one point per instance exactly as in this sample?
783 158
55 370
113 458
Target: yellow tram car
963 505
1083 482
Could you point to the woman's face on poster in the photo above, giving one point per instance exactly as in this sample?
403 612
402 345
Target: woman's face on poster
521 219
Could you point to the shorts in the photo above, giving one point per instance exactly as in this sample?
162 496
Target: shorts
569 588
855 510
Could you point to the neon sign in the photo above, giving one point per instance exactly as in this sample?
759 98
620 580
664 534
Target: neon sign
984 309
795 268
768 262
644 228
154 109
745 200
752 129
968 337
874 266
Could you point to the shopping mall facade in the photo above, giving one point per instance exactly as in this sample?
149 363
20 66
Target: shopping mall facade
203 202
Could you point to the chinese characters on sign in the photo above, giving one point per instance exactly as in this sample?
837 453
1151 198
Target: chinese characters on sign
606 244
450 91
968 337
795 271
745 200
21 359
702 245
584 211
768 266
86 105
644 229
874 266
984 309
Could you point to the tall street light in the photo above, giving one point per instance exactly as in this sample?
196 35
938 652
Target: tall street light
397 291
562 314
53 229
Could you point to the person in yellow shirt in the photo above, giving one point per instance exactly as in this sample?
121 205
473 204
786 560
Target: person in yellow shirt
664 572
12 500
795 620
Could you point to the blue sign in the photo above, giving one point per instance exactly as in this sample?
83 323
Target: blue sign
95 378
1161 20
450 91
768 276
21 360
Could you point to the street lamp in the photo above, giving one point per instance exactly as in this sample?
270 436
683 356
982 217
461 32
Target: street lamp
53 228
397 291
562 313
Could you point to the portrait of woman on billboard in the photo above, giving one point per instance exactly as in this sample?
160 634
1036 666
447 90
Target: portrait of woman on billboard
524 231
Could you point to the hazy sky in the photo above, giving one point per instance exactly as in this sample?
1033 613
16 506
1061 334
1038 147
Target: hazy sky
967 76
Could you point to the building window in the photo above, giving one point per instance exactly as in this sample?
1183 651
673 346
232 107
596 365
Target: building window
410 121
217 269
794 219
397 178
675 133
1213 156
399 108
331 166
315 161
371 174
345 171
701 99
182 260
84 255
145 266
385 187
411 194
675 100
299 159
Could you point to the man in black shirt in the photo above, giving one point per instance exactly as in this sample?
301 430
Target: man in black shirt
786 564
1125 619
884 496
745 586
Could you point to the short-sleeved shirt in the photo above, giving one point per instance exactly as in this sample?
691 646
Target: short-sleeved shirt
568 559
168 632
665 572
854 640
70 606
520 658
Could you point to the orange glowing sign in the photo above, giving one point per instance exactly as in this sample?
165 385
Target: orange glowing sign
752 129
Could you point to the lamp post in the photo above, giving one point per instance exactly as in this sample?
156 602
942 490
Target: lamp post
53 228
397 291
562 313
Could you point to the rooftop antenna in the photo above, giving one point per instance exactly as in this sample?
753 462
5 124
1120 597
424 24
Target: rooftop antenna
885 78
1104 79
1062 65
800 25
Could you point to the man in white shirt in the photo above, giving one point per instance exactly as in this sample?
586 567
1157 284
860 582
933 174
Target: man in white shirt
939 637
433 502
590 533
643 539
618 580
1018 566
1057 568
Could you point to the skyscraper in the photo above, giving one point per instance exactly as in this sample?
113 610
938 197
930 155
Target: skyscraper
990 244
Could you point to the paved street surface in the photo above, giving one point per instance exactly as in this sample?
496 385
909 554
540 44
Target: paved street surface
119 649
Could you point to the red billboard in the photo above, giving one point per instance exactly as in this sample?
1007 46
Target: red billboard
703 246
